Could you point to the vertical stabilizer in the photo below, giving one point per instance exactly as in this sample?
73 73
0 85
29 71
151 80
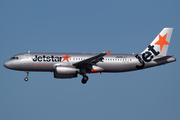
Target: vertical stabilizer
161 43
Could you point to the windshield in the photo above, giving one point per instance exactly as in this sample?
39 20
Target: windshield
14 58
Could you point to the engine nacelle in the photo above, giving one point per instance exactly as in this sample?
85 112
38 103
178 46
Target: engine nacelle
65 72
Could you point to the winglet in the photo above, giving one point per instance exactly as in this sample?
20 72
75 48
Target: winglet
108 52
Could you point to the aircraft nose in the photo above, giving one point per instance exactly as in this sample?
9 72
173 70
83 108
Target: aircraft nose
7 64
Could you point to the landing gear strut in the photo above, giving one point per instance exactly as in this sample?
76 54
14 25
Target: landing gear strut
26 78
85 79
83 73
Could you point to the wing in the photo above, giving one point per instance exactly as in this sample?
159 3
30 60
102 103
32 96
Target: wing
91 61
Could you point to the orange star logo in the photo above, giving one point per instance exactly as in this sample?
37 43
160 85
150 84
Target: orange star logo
108 52
162 41
66 58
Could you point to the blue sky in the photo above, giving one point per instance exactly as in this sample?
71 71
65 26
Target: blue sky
93 27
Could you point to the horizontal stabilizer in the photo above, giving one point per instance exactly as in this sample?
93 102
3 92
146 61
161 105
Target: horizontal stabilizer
163 58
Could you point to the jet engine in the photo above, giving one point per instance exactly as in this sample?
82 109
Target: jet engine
65 72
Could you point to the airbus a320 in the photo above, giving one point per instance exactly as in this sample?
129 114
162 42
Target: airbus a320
69 65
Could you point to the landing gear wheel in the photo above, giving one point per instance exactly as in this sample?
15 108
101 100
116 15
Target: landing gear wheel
84 80
26 78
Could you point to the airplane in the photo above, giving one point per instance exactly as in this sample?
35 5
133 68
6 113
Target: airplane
69 65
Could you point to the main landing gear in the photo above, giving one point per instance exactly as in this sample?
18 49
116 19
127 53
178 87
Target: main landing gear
26 78
85 79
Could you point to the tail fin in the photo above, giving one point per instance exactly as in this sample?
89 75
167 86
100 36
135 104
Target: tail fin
160 44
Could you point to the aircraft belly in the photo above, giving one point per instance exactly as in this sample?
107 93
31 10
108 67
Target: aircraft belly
42 67
37 67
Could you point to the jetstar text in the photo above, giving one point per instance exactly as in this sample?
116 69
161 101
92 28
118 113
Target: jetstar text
45 58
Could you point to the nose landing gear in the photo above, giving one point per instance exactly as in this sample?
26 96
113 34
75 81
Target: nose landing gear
26 78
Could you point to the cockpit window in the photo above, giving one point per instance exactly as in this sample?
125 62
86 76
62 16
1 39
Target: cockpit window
16 58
